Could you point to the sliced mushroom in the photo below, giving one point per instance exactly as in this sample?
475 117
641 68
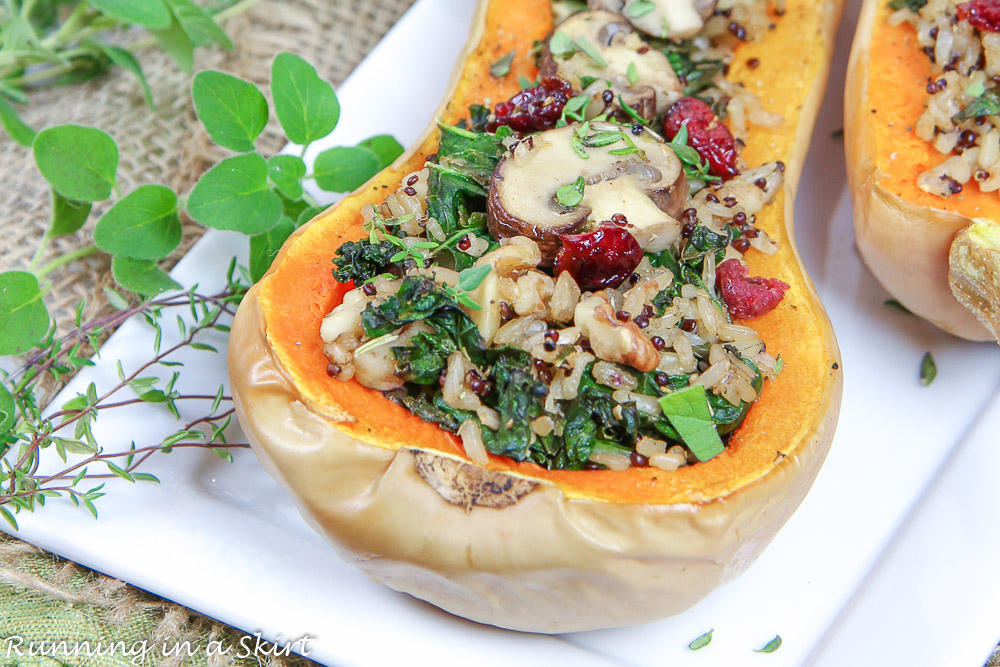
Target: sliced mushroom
653 86
375 365
670 19
646 185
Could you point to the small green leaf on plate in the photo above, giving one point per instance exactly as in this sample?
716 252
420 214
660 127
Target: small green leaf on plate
286 172
142 225
141 276
702 641
344 168
771 646
23 317
67 215
79 162
385 147
234 195
233 111
306 105
501 68
928 369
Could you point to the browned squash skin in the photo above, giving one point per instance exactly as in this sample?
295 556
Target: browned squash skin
511 544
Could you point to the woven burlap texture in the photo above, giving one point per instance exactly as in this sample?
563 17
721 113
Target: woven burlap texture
41 596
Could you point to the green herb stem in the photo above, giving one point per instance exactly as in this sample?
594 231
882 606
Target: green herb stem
79 253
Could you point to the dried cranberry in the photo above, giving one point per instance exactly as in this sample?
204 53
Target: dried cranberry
706 134
599 259
981 14
533 109
747 296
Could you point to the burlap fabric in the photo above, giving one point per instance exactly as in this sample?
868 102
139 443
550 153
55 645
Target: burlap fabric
43 597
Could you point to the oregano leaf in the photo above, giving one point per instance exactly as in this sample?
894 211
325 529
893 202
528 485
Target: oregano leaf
79 162
23 317
8 411
264 247
141 276
18 130
142 225
233 111
124 59
67 215
305 104
385 147
178 44
344 168
286 172
199 25
148 13
234 195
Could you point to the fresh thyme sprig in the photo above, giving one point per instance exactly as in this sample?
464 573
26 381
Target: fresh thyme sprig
263 198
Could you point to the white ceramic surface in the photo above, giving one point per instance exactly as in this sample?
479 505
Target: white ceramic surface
888 561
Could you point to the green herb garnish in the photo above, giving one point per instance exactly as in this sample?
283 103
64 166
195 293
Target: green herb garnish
589 50
913 5
632 74
702 641
560 44
688 412
771 646
986 104
571 194
928 369
632 112
501 68
639 8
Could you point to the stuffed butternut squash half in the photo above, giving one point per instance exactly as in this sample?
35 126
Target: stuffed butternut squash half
922 111
559 367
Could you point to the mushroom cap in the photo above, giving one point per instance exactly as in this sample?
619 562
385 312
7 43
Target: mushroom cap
647 185
673 19
656 85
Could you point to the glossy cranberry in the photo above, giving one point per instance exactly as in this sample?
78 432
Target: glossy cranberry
745 296
706 134
599 259
533 109
981 14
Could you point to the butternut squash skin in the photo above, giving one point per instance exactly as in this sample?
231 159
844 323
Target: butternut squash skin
904 234
580 549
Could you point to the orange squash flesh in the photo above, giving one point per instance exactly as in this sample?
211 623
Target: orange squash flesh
580 549
915 243
301 290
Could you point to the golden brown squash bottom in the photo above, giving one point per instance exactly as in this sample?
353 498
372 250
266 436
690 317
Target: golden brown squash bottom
904 234
518 546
